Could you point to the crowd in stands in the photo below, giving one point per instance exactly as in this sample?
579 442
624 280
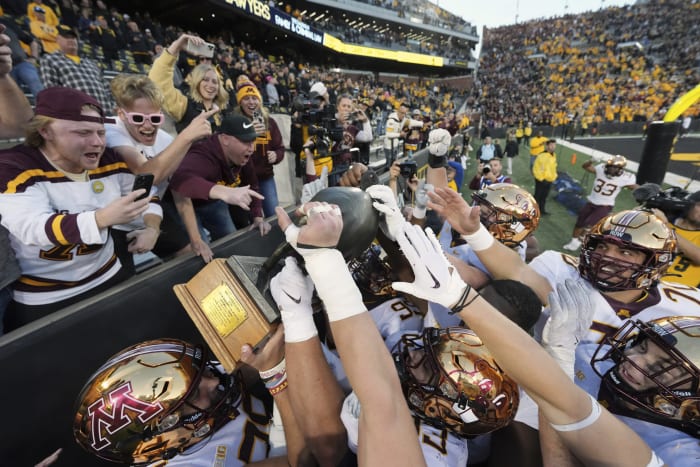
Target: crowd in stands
587 68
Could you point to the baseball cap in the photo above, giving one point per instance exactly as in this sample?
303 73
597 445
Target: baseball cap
318 90
66 31
67 104
238 126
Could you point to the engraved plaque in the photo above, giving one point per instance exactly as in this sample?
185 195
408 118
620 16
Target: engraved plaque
227 308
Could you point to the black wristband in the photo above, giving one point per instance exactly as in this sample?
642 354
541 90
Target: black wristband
462 302
436 162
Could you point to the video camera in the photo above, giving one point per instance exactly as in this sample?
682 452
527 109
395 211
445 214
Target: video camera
673 202
322 125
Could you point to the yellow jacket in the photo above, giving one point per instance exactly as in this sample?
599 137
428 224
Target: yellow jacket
545 167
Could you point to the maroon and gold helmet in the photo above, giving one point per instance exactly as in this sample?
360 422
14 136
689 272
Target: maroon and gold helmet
450 380
615 165
135 409
509 212
636 230
651 371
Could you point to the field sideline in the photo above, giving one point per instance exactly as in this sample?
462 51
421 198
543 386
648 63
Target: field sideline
554 230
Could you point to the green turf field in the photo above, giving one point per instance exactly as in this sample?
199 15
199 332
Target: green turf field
554 230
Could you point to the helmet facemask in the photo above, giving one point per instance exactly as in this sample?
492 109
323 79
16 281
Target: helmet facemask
470 397
373 276
636 230
615 166
606 272
673 395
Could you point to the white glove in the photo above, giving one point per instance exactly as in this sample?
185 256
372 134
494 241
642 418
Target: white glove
570 315
384 201
310 189
422 199
436 280
439 141
292 291
350 416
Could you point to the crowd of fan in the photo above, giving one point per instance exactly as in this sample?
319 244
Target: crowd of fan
574 68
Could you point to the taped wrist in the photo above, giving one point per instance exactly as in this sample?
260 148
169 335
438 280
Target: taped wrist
334 284
479 240
298 323
419 212
437 162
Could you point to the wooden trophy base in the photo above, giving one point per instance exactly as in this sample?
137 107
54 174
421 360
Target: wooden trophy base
227 308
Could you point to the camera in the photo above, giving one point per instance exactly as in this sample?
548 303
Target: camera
673 202
486 170
408 169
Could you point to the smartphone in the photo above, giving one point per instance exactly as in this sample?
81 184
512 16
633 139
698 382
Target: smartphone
204 50
143 181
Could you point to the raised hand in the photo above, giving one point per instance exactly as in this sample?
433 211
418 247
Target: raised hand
454 209
199 127
292 292
436 279
384 201
570 315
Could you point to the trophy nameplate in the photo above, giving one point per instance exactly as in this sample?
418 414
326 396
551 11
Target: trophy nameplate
227 308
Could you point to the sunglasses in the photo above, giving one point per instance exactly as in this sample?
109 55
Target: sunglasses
136 118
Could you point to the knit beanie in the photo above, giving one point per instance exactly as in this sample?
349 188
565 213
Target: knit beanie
245 87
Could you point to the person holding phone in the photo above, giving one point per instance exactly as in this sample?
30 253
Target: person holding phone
137 136
269 146
206 86
60 193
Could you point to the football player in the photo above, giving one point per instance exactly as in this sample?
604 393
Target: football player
610 179
165 401
648 375
590 432
622 257
510 214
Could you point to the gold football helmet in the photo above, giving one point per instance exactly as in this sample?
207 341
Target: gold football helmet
673 398
509 212
634 229
450 380
136 408
615 165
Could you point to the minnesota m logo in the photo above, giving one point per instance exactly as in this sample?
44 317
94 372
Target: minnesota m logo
120 399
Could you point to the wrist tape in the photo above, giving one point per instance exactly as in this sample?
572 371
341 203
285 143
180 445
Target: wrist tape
334 284
479 240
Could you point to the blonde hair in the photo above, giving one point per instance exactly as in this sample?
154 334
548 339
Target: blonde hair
126 88
32 137
197 75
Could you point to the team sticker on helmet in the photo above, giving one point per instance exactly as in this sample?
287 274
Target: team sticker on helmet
99 418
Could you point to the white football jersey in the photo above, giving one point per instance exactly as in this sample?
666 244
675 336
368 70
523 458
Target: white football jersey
605 189
243 440
676 448
665 299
